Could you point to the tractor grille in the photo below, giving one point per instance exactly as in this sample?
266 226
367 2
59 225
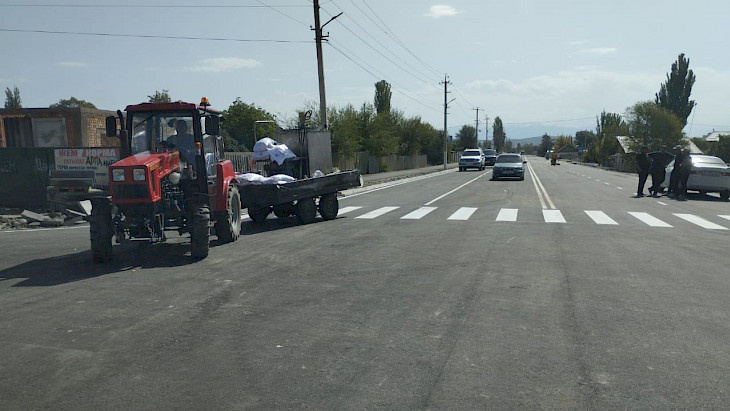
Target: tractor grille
131 192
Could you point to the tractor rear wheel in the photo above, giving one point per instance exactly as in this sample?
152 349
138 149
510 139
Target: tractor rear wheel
306 210
101 230
200 231
228 222
329 206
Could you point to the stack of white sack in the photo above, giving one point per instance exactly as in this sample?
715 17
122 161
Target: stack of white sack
253 178
267 148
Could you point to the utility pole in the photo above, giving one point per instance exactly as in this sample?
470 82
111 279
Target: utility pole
319 37
446 83
486 132
477 124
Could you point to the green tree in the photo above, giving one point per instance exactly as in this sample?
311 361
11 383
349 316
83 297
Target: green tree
653 125
508 146
563 141
608 127
382 139
72 102
12 98
160 97
466 137
240 119
675 92
346 131
546 143
382 96
585 139
498 134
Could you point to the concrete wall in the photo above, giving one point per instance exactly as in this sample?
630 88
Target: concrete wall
84 127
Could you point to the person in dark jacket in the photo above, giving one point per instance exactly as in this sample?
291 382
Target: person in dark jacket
674 176
684 169
644 165
659 161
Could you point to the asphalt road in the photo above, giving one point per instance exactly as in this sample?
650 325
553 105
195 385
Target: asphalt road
446 291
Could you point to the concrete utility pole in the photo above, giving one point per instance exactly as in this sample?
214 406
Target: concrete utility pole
446 83
486 129
319 37
477 126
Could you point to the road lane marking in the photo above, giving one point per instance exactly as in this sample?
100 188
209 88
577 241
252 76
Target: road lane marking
599 217
553 216
727 217
452 191
537 189
344 210
649 220
537 182
405 181
659 202
507 214
462 214
377 213
418 214
608 184
620 188
700 221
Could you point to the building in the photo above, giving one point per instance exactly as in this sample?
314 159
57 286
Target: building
54 127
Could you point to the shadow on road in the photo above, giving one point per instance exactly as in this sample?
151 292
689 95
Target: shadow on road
273 224
69 268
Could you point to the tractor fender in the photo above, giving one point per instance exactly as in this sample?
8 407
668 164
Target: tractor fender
226 177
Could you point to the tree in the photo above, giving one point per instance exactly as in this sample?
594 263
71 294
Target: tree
498 135
345 128
608 127
674 93
12 98
382 139
652 125
563 141
466 137
585 139
160 97
72 102
546 143
240 120
382 97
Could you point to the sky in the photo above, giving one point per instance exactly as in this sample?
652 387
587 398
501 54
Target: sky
541 66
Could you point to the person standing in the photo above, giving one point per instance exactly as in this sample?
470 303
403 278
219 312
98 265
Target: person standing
659 161
683 178
644 165
674 175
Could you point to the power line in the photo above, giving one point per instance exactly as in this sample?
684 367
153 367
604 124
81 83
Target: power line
378 77
551 121
151 6
156 36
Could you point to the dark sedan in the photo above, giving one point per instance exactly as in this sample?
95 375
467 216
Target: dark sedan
509 165
490 157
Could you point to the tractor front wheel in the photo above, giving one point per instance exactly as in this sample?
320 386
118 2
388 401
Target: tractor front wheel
200 231
228 222
101 230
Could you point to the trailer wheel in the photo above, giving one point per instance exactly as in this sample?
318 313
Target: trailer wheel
329 206
306 210
228 222
200 231
284 210
101 230
259 214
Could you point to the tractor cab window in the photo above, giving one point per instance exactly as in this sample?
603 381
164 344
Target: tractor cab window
157 132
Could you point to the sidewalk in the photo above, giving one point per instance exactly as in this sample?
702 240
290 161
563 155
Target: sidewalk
371 179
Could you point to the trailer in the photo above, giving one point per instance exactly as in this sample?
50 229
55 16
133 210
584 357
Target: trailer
302 198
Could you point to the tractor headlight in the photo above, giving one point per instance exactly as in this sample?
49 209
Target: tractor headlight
118 174
139 174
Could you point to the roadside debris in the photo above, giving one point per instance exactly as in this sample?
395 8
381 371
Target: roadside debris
17 219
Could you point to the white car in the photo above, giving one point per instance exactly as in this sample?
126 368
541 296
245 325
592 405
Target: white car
471 158
709 174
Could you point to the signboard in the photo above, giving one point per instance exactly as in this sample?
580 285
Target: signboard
97 160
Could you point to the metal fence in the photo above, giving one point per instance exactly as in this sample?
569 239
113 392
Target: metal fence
24 176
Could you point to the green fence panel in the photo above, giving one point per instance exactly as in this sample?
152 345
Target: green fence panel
24 176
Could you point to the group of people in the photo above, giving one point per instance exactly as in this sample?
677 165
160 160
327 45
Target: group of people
655 163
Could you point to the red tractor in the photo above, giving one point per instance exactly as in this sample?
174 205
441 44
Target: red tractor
171 177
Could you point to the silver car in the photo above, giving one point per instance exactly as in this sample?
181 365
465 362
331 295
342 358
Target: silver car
471 158
509 165
709 174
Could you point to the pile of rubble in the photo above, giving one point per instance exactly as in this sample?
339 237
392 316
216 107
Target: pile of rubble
14 219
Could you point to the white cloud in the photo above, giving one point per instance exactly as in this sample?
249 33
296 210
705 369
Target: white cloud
600 51
441 10
223 64
72 64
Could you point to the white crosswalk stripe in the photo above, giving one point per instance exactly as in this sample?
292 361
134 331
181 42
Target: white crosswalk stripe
462 214
700 222
345 210
377 213
649 220
599 217
553 216
727 217
507 214
418 214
